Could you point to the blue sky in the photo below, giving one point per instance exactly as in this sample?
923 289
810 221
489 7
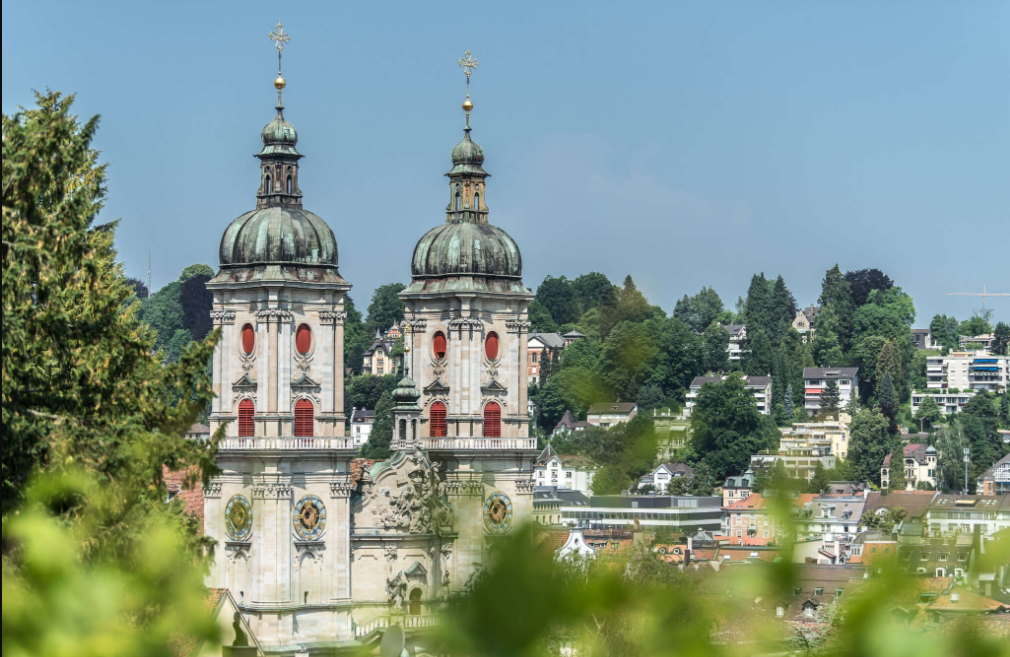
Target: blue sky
685 143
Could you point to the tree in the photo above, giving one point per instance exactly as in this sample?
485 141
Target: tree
863 281
699 311
788 403
782 308
727 427
139 287
978 324
758 310
885 521
558 296
378 445
830 399
196 270
1004 409
759 359
365 391
81 386
945 331
868 444
594 290
197 302
819 481
650 396
356 336
887 399
540 318
889 363
896 469
611 479
386 308
836 299
703 481
1001 339
716 348
929 412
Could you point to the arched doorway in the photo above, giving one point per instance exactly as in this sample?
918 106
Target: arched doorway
414 604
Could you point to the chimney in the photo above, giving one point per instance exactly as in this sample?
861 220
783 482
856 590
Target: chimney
955 597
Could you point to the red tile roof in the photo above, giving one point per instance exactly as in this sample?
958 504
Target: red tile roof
191 497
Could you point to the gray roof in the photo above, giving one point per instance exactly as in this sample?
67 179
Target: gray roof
552 340
573 334
830 372
612 407
362 415
751 381
734 329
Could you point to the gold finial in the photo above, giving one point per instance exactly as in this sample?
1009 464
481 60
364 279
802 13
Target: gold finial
468 63
280 38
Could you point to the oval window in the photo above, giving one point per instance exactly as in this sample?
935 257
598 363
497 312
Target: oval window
248 338
438 345
303 339
491 346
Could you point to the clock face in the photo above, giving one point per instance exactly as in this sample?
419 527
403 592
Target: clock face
309 518
498 513
238 518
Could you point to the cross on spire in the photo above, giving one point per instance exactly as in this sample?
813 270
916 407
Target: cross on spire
468 64
280 38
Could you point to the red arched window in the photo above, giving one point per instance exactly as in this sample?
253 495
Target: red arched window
492 420
303 339
246 426
305 415
438 345
248 339
491 346
438 428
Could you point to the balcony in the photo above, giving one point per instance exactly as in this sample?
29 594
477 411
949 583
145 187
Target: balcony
274 444
478 444
405 621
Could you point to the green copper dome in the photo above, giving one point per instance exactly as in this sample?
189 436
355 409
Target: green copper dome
278 235
467 157
279 137
467 249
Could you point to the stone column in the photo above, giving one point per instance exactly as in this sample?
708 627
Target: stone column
223 319
338 372
272 543
340 494
522 328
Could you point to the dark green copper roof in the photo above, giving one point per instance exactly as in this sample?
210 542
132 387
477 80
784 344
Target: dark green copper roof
279 137
464 248
278 235
467 158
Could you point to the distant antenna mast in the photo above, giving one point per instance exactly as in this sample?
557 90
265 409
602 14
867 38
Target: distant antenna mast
984 293
149 272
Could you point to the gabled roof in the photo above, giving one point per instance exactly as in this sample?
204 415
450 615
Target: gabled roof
362 415
573 335
552 340
914 502
915 451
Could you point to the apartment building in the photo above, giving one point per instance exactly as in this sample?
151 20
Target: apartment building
968 370
832 434
919 465
815 380
737 340
760 387
688 513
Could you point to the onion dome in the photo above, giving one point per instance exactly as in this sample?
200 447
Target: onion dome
279 137
463 248
406 393
278 234
467 157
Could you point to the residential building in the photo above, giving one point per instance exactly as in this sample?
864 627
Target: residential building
737 488
873 548
914 503
960 371
804 321
570 471
995 480
927 554
760 387
568 424
833 518
948 401
199 432
571 337
672 432
362 420
799 456
986 341
547 506
575 547
378 357
830 434
660 511
541 347
737 341
922 338
608 414
960 514
663 474
815 379
752 520
920 465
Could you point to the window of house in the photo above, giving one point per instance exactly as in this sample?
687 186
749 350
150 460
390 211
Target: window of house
492 420
246 425
437 420
304 418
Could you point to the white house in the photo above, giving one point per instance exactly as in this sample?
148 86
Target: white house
920 465
737 339
662 475
610 413
815 380
760 387
575 547
564 470
362 420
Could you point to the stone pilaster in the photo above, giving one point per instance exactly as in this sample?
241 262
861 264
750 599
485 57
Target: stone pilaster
272 557
340 499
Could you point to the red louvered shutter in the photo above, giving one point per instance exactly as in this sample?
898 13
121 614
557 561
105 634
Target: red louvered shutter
248 339
246 425
492 420
304 418
438 426
438 345
491 346
303 339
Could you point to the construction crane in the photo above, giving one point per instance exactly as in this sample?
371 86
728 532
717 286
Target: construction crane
984 293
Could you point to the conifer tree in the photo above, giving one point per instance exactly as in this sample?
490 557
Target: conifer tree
830 399
789 404
896 471
887 400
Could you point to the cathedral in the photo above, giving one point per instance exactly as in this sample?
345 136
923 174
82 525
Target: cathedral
320 550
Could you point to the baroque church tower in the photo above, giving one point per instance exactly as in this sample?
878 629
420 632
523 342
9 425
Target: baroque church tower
323 551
